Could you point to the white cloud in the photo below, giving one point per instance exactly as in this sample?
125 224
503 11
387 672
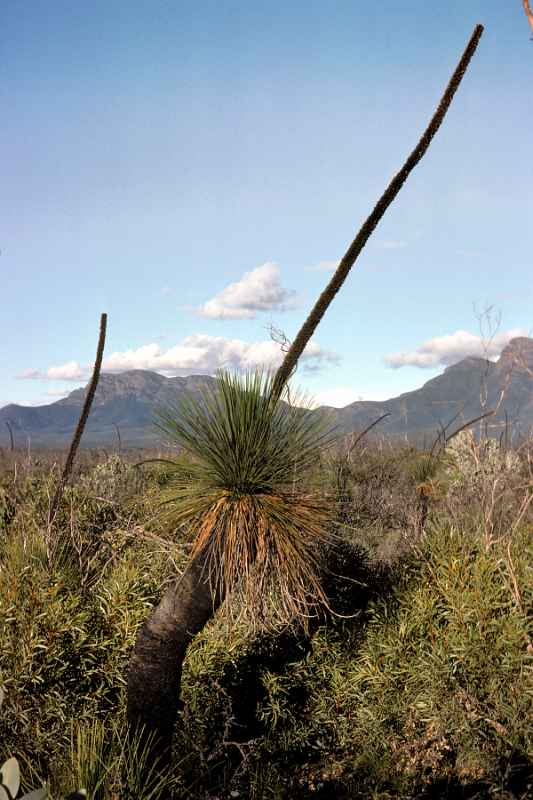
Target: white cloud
447 350
28 403
29 374
67 372
258 290
202 353
166 291
196 354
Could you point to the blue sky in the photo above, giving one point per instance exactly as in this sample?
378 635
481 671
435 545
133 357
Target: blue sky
195 170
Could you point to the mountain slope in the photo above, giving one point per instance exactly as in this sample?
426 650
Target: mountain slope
464 391
128 400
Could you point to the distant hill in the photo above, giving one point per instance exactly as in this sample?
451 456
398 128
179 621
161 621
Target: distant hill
126 400
507 385
129 398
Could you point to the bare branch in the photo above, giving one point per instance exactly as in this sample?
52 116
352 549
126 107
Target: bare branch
366 430
82 421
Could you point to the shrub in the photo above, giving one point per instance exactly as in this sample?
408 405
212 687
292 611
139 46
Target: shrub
64 657
441 685
473 464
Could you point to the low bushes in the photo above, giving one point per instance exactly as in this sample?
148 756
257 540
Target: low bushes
423 686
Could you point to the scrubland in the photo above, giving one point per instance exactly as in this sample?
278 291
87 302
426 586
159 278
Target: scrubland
418 683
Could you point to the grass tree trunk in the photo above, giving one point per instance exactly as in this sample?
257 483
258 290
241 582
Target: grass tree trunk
155 667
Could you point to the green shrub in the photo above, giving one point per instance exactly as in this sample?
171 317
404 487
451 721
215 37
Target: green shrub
100 759
65 656
473 464
431 683
441 685
10 779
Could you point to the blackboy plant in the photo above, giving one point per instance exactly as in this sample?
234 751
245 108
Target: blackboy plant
232 522
246 498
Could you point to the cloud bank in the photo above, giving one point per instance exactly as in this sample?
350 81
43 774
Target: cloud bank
258 290
199 354
446 350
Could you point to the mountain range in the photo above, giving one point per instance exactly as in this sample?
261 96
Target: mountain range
127 401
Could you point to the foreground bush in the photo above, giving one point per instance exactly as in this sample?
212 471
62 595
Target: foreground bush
428 688
431 687
69 613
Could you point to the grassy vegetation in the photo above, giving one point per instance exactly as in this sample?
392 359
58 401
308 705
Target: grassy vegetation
424 687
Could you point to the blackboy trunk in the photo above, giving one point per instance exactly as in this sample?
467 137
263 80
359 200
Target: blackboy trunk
154 676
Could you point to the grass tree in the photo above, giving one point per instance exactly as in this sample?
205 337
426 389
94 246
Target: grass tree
257 526
258 529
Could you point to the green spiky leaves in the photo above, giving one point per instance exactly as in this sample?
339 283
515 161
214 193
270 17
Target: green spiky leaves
244 492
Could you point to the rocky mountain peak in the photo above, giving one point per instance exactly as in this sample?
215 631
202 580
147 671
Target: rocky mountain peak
138 382
518 354
142 385
470 363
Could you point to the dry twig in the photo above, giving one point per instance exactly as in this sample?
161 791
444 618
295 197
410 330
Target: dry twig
341 273
81 424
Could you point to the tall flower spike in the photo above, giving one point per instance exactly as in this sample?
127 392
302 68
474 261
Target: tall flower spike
308 328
